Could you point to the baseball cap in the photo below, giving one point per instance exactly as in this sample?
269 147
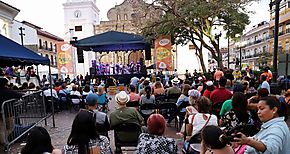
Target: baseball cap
92 99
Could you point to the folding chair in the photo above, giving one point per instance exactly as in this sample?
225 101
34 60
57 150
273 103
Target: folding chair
126 135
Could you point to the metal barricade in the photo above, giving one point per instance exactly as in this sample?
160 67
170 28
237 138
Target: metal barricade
20 116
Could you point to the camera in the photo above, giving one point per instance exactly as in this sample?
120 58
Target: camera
229 138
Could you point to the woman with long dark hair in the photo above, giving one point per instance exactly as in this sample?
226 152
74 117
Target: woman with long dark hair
239 115
83 138
38 142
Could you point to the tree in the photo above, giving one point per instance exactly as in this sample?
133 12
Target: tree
194 20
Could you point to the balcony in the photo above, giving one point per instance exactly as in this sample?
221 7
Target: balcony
280 33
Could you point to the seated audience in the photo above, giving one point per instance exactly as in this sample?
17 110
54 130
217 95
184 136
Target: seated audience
154 141
38 142
184 96
220 94
158 88
124 114
84 138
102 121
174 89
209 88
239 115
134 97
74 91
199 119
87 90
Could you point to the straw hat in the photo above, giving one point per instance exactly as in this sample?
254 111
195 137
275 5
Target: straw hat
122 97
175 80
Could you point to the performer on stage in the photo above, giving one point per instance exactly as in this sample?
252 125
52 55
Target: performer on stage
112 69
131 67
138 67
117 68
107 69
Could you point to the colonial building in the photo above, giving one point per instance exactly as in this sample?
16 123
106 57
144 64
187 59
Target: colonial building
36 39
7 15
80 20
126 17
284 27
255 46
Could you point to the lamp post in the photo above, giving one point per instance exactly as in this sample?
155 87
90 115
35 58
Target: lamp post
276 29
240 45
274 85
217 37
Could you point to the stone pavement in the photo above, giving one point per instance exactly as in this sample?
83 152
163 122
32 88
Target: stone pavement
63 122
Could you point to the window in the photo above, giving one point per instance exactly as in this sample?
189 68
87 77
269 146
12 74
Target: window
289 4
287 47
51 60
40 44
288 28
45 45
280 30
78 28
125 17
50 46
118 17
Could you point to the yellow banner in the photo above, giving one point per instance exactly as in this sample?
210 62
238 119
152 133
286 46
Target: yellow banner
64 58
163 53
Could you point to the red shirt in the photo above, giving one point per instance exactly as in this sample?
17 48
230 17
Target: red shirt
220 95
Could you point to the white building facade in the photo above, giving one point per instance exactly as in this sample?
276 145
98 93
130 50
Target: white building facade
7 15
80 19
256 43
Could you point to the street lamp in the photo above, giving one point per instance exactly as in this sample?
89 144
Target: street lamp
240 45
274 84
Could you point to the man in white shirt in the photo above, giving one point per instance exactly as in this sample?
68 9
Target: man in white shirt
265 84
47 92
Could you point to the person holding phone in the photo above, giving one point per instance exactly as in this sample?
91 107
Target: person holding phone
274 136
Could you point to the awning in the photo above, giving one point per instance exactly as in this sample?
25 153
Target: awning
12 53
112 41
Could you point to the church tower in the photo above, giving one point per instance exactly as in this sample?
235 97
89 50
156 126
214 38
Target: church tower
80 19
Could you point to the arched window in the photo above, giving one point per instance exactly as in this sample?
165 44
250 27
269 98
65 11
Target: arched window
51 60
125 17
51 46
118 17
40 44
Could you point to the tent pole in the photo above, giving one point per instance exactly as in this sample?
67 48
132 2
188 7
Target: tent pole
52 101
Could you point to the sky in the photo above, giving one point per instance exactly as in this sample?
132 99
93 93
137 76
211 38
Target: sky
49 15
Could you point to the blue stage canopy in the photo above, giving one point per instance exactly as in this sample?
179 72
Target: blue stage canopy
112 41
11 53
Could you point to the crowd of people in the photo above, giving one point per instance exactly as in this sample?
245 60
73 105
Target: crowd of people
225 111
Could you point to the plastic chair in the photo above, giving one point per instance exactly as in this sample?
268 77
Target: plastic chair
74 102
133 104
169 111
147 109
126 135
181 115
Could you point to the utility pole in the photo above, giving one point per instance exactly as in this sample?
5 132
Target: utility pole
274 84
21 34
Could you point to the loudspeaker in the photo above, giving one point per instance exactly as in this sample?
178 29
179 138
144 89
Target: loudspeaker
80 55
147 51
92 71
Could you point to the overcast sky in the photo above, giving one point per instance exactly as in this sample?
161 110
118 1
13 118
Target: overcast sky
48 14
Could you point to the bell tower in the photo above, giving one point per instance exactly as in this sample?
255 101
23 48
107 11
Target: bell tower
80 19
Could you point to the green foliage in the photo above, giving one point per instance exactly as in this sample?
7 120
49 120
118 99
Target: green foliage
194 20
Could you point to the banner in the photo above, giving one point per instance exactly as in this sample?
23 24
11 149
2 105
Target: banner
64 58
163 53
